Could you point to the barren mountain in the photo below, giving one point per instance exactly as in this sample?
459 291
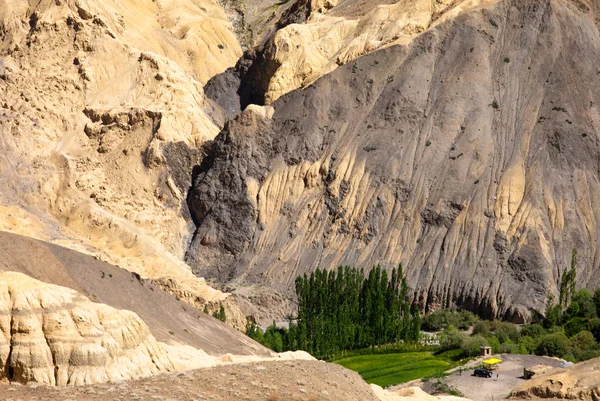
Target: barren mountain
457 137
336 32
469 154
102 116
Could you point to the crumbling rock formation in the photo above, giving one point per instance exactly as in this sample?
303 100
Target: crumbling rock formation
311 38
198 294
470 155
163 304
56 336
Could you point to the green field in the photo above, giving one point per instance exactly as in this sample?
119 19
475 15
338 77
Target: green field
389 369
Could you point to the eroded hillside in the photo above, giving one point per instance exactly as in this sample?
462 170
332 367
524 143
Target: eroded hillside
456 137
102 117
470 155
170 317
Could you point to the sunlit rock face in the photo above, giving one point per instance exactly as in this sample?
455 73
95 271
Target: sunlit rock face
56 336
469 154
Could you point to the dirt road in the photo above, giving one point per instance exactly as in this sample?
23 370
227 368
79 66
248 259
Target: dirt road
507 376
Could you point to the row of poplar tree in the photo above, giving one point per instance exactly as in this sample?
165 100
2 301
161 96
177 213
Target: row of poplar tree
347 309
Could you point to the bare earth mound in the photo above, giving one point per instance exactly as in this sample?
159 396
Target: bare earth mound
580 381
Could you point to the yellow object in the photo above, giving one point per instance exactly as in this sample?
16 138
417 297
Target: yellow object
492 361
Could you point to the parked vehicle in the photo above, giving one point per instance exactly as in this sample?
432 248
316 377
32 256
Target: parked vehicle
482 373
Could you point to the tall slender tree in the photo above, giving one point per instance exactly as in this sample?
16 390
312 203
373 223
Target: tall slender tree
348 309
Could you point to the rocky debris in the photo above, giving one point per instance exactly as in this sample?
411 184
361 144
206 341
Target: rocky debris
502 181
275 381
580 381
265 305
54 335
186 291
255 21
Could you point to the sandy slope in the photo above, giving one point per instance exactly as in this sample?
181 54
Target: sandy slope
338 32
170 321
580 381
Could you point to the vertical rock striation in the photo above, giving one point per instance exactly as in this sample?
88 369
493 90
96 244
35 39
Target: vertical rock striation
470 155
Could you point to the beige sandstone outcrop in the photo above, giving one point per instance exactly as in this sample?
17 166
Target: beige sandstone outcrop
303 41
340 31
170 320
102 95
56 336
580 381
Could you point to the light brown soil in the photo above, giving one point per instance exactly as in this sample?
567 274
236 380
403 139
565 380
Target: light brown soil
577 382
273 381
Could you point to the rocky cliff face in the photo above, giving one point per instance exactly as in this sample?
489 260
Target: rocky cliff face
104 113
469 154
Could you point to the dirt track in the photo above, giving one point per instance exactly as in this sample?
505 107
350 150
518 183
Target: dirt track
507 377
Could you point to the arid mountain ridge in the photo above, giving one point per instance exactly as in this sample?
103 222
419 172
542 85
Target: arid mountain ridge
458 137
469 154
455 137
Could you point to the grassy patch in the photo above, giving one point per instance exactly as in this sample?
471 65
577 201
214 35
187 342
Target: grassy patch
389 369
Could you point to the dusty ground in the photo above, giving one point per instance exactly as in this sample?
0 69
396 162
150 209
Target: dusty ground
274 381
170 321
510 373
